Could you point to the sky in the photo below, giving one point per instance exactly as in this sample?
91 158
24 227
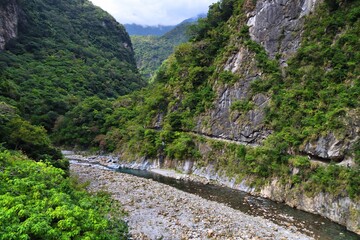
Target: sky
151 13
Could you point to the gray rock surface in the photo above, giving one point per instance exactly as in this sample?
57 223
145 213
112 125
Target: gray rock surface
277 25
340 209
327 147
223 122
158 211
9 16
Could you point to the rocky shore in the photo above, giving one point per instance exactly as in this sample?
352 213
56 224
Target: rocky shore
158 211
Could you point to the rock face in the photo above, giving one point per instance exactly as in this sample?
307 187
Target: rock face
9 16
335 147
339 209
277 25
228 123
327 147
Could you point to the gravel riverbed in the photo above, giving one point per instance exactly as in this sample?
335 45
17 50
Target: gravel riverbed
159 211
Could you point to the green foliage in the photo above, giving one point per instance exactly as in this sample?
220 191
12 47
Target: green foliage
151 51
261 164
65 51
84 123
300 162
37 202
321 83
313 96
218 14
227 77
356 150
242 106
182 147
17 133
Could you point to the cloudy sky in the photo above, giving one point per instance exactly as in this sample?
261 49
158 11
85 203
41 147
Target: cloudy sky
150 12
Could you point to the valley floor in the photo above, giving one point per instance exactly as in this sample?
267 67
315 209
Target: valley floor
159 211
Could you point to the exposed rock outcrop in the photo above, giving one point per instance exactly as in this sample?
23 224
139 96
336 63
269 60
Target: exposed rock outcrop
327 147
229 123
9 16
340 209
336 147
277 25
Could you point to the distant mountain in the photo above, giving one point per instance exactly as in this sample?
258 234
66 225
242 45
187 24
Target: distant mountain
139 30
151 51
194 19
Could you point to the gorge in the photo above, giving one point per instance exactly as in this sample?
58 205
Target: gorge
264 97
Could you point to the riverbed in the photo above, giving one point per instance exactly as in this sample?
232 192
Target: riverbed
159 211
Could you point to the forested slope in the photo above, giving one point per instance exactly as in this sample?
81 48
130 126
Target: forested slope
151 51
54 55
64 51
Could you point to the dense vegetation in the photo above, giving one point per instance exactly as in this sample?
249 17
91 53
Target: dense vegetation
67 79
314 96
38 202
65 51
17 133
321 91
151 51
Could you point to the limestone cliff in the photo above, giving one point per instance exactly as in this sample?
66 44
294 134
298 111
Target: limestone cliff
277 25
9 16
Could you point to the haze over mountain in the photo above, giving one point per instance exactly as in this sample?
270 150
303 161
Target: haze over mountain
153 13
139 30
159 30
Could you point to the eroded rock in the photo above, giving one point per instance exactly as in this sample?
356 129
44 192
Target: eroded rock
9 17
277 25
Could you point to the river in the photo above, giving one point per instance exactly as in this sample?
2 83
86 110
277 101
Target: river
281 214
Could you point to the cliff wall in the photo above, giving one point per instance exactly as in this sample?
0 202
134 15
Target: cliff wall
9 17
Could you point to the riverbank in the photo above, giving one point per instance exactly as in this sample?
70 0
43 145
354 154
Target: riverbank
158 211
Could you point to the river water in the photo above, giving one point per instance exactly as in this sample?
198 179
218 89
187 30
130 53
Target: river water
307 223
310 224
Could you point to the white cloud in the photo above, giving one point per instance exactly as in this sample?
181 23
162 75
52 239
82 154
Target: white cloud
150 12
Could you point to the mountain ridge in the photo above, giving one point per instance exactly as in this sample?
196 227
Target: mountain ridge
159 30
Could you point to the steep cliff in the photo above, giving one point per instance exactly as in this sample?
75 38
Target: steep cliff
9 17
265 92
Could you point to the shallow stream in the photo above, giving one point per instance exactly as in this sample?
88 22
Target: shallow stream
310 224
307 223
